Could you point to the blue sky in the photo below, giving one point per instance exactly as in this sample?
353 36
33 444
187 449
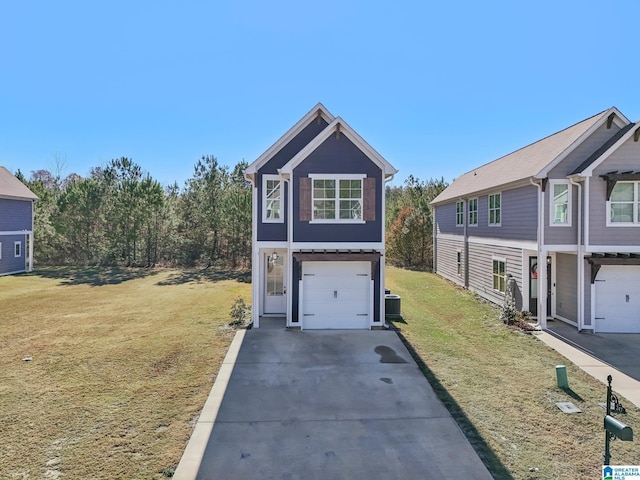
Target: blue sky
436 87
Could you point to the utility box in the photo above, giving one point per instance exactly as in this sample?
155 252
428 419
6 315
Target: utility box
561 376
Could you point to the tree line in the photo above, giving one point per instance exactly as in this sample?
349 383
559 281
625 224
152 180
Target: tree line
120 216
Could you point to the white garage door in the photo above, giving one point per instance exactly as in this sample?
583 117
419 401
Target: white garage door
618 299
336 294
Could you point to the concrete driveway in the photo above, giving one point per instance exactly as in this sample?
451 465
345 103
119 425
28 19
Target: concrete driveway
620 350
332 404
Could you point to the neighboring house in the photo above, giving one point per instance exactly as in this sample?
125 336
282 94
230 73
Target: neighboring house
561 217
318 239
16 224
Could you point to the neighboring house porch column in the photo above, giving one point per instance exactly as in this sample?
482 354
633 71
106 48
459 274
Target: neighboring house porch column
30 251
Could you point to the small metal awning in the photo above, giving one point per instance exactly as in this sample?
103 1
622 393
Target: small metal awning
596 261
338 256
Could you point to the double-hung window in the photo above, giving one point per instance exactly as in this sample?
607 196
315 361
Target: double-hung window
459 213
499 275
624 204
473 211
494 209
337 199
459 262
272 201
560 214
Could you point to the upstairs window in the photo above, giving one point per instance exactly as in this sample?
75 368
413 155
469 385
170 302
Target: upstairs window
494 209
624 204
473 211
459 213
272 199
560 214
337 199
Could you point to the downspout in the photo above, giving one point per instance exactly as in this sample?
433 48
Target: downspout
542 260
286 179
580 260
465 206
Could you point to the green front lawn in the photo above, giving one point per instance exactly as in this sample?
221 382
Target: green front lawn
500 385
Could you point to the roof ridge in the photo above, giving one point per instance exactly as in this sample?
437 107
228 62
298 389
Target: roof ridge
539 140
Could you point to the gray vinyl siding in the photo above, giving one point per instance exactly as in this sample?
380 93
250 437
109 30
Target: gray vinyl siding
560 234
625 158
518 216
278 231
446 261
583 151
481 270
15 215
566 286
338 156
445 216
9 263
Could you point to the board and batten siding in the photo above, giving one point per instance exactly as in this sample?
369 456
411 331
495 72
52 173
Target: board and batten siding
446 261
278 231
625 158
481 270
338 156
15 215
566 286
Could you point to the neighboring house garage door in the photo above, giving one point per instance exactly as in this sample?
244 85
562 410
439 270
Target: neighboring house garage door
336 294
618 299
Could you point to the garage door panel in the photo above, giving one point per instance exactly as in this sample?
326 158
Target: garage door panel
336 295
618 299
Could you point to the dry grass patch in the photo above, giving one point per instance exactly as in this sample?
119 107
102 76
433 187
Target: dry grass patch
123 361
500 385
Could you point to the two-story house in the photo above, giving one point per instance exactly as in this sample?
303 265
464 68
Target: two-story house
561 217
16 224
318 227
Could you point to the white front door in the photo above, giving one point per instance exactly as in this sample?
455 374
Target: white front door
275 289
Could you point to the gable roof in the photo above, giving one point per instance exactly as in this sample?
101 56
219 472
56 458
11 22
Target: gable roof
532 161
11 187
600 155
318 110
339 125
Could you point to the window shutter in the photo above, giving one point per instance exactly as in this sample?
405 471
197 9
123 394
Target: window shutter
305 199
369 199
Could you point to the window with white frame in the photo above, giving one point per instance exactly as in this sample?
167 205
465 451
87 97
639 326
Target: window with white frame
272 201
459 262
473 211
624 204
337 199
17 249
494 209
499 274
459 213
560 214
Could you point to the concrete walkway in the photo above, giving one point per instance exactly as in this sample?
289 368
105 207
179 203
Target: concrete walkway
574 346
325 404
